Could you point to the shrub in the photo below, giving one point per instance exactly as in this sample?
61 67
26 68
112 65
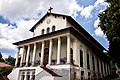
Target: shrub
5 70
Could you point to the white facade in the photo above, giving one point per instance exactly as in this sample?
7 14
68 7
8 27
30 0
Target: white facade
59 50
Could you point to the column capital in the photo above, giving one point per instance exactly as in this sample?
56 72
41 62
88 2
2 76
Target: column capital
68 36
43 42
28 45
35 43
59 38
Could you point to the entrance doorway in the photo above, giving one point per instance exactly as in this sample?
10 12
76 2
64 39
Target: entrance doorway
46 56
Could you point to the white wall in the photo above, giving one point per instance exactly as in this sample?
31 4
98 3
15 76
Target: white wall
59 23
47 78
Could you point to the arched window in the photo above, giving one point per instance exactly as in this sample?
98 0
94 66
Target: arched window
42 31
48 30
53 28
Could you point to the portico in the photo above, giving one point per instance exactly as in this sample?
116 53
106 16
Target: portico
30 51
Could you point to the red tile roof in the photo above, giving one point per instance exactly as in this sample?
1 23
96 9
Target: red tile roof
2 64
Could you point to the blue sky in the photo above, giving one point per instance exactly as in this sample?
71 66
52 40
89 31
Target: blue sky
18 16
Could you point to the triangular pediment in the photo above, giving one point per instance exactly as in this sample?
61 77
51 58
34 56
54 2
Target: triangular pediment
47 15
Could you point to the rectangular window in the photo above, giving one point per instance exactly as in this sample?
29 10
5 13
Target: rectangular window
88 64
33 77
28 77
22 77
82 75
93 63
88 75
81 58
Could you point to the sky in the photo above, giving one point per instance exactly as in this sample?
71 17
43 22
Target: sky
18 16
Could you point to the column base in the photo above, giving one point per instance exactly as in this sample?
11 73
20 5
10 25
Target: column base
26 65
41 65
33 64
68 62
48 65
21 64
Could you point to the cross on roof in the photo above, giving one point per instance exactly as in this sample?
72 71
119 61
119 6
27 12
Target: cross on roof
50 9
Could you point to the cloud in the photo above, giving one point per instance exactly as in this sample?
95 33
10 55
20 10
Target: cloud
99 32
96 23
96 8
4 55
74 9
18 9
86 12
10 34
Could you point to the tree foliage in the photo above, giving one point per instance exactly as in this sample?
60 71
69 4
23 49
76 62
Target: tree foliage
110 24
5 70
1 59
10 60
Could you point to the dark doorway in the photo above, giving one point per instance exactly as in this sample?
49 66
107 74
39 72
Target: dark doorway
46 56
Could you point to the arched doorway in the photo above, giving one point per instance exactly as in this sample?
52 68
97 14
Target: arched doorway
46 56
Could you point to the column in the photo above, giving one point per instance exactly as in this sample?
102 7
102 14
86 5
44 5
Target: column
34 52
42 53
28 53
68 49
75 51
58 51
16 62
50 52
22 55
31 75
25 76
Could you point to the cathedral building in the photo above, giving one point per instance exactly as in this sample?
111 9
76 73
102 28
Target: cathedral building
60 49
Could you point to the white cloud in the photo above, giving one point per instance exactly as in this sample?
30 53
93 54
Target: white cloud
8 34
99 32
86 12
97 7
100 2
74 8
18 9
96 23
4 55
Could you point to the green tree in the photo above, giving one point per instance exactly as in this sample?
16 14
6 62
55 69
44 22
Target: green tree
5 70
110 24
1 59
10 60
